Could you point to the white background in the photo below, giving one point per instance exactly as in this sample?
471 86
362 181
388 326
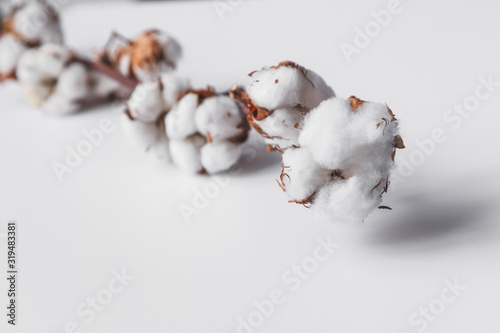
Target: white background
120 209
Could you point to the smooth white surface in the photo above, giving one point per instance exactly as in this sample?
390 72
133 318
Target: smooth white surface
120 210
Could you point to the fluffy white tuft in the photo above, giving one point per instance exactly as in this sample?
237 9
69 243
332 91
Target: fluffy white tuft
220 156
146 102
179 122
219 117
186 153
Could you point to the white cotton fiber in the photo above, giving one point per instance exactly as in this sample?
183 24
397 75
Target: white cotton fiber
339 137
220 156
10 51
146 102
179 122
286 86
186 153
35 31
349 200
73 83
68 92
301 175
173 85
149 104
220 118
124 66
20 32
343 165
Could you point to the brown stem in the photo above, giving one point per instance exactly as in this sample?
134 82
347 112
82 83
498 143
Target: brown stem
108 71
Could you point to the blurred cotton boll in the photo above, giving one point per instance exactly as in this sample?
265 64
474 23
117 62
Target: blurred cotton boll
143 58
28 24
59 82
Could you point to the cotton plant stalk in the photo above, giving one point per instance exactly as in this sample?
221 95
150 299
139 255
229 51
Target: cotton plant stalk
337 154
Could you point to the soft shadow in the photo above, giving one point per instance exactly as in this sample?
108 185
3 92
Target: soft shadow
436 221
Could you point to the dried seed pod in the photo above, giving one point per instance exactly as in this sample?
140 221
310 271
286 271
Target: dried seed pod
143 121
57 81
213 125
144 58
18 33
279 97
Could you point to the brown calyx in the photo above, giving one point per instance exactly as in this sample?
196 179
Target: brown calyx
203 94
356 103
305 202
146 51
8 76
398 142
393 118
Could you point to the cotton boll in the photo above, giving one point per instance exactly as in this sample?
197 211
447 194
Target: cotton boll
220 156
173 85
301 176
39 69
10 51
186 153
220 118
48 61
37 23
146 102
146 57
282 127
69 91
288 86
28 24
179 122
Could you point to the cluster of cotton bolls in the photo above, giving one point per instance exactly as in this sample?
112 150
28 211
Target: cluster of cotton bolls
207 130
57 81
144 58
342 153
201 131
28 24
